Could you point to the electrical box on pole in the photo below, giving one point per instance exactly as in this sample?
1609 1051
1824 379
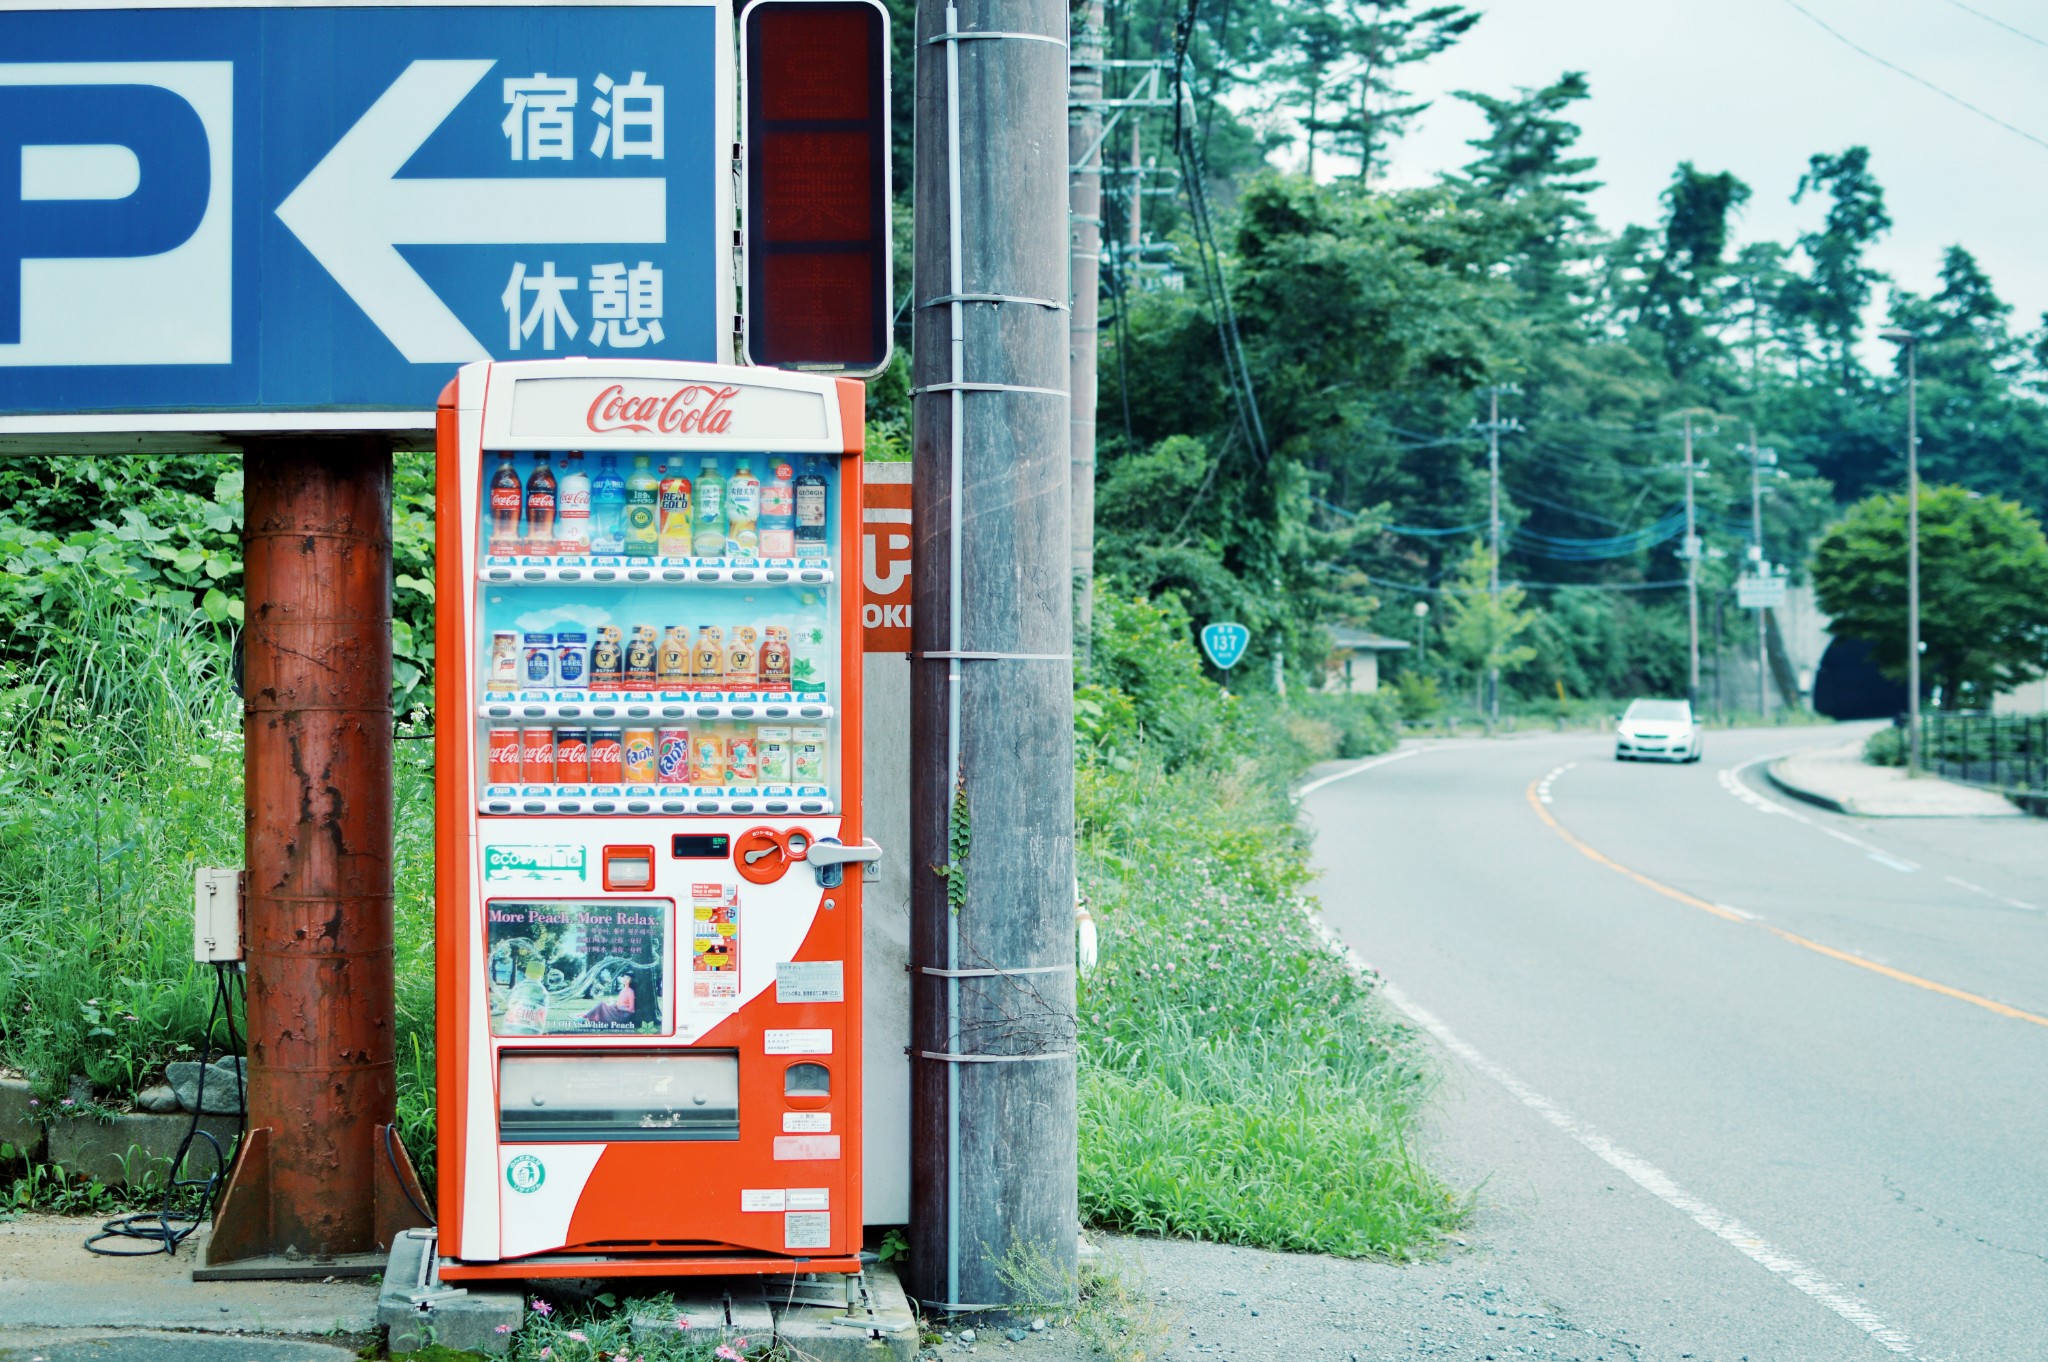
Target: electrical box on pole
815 170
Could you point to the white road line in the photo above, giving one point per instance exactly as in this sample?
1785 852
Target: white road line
1731 781
1661 1185
1365 765
2020 904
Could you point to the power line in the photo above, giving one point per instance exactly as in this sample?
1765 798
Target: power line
1420 589
1992 19
1858 48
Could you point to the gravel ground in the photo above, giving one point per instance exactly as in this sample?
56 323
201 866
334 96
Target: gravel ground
1216 1301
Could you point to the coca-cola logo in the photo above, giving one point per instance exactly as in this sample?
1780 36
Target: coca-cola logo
693 409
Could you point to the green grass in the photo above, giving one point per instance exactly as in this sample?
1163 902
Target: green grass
1238 1082
120 772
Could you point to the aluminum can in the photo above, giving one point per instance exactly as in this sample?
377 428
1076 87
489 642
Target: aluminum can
572 660
607 756
572 755
607 660
672 756
537 756
504 670
772 749
639 759
505 759
537 661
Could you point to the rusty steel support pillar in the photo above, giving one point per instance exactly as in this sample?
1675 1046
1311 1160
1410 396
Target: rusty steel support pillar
315 1178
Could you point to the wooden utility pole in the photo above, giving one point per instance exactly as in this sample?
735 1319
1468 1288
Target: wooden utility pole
992 760
320 1173
1493 533
1084 246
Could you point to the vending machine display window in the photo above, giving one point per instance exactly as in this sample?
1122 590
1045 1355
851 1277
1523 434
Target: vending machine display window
648 650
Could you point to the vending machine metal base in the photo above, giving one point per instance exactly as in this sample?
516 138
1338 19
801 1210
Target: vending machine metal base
648 824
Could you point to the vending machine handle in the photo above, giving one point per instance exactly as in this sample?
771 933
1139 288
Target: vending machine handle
829 852
828 859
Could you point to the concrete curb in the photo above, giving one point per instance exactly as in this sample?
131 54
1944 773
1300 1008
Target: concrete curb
1784 786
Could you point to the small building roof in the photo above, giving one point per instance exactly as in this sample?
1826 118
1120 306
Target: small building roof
1364 640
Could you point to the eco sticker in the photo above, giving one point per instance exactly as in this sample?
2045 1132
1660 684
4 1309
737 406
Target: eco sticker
545 864
525 1173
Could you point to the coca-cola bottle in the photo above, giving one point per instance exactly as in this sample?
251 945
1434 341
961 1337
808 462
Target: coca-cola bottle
507 500
540 506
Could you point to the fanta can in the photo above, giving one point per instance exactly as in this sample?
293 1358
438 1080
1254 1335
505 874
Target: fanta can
672 760
639 759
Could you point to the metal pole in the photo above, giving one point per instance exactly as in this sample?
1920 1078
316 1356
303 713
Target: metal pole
1912 560
992 800
313 1177
1756 531
1493 530
1084 196
1692 579
1137 193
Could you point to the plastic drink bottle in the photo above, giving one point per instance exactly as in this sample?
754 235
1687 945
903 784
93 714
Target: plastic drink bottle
742 512
709 537
810 652
508 502
573 533
526 1011
643 497
607 507
778 512
540 506
810 507
674 541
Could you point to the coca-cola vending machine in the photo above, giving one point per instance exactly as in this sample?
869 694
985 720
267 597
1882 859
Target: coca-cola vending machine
649 832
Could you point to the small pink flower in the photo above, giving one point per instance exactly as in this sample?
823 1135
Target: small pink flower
546 1353
682 1321
728 1354
542 1308
504 1328
578 1335
70 1102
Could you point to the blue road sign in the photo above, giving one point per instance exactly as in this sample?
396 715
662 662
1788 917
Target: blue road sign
307 209
1225 643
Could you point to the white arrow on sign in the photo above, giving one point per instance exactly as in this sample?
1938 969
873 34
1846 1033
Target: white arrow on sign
353 212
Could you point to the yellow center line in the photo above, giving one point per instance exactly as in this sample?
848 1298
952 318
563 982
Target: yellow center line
1846 957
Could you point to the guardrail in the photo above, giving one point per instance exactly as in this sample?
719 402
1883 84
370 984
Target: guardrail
2005 752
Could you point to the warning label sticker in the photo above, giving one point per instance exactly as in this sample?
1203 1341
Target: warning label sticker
807 1230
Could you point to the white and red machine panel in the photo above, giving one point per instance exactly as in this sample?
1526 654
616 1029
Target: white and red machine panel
649 1011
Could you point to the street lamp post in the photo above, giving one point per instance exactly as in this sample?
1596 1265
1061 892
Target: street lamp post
1421 616
1908 342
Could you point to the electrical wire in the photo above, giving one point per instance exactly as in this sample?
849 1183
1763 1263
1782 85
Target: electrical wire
164 1229
1991 19
1955 99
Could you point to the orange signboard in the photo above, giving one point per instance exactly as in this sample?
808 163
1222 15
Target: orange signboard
885 559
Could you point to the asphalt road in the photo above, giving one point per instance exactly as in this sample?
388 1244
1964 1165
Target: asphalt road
1733 1078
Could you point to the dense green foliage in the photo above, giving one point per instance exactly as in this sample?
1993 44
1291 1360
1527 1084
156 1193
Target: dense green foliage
1338 472
1984 581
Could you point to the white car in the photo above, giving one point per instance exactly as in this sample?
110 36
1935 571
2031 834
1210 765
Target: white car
1657 730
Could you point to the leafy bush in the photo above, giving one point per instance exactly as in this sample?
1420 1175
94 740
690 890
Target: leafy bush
1886 747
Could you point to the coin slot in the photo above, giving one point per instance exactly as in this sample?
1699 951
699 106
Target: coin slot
628 868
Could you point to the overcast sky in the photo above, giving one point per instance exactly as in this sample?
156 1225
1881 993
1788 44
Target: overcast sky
1755 87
